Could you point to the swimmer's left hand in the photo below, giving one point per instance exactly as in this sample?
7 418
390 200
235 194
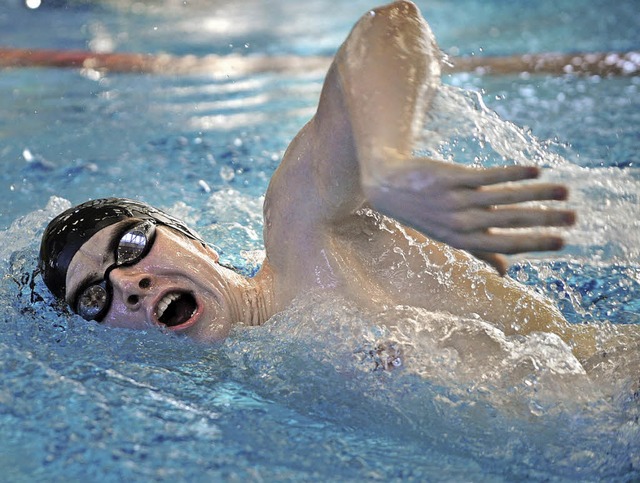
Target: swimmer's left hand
461 206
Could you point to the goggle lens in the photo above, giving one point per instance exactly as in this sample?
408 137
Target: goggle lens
94 301
132 246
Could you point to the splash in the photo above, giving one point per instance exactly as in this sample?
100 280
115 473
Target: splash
457 376
446 350
25 229
460 128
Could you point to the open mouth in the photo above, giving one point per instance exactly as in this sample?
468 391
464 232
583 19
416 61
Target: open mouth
176 308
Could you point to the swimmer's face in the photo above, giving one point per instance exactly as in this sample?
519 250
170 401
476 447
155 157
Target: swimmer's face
175 284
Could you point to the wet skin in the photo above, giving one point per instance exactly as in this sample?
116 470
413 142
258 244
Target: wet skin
348 165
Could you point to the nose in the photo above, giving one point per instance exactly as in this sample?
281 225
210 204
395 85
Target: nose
131 285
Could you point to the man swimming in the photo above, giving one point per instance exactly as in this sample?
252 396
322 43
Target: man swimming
348 203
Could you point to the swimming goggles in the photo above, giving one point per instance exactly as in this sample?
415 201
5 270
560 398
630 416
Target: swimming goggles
95 299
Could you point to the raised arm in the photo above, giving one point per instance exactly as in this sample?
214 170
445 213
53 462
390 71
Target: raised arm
389 69
358 149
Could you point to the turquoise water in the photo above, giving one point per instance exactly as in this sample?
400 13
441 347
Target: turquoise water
298 398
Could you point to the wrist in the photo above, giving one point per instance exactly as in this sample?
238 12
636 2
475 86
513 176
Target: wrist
379 164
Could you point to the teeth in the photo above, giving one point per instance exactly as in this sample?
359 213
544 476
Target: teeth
165 302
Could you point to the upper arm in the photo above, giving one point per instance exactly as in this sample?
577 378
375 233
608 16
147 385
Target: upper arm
374 96
317 184
373 101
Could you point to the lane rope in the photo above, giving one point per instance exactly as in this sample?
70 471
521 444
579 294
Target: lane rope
602 64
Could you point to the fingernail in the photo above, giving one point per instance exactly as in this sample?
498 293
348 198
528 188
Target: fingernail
569 218
560 193
532 172
556 244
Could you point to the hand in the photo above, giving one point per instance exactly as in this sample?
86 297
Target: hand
460 206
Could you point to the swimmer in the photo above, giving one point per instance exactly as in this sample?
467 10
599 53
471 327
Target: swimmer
348 202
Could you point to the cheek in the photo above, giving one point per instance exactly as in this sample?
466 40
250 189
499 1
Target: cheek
180 265
214 324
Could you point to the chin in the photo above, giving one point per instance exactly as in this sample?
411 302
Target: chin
202 327
208 333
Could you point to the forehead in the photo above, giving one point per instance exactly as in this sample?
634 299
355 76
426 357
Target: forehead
93 257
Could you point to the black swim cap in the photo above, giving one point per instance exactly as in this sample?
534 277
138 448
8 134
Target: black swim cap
68 231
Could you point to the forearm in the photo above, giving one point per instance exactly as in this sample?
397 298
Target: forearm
388 69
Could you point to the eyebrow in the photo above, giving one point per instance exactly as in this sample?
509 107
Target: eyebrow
92 279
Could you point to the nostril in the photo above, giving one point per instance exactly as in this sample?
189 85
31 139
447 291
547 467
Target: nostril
144 283
132 299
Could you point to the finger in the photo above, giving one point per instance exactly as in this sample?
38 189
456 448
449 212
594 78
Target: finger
507 244
517 194
496 261
479 220
474 178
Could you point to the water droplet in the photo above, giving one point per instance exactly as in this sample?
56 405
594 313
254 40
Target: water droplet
227 173
204 186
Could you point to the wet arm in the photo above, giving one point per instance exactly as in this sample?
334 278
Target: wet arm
388 70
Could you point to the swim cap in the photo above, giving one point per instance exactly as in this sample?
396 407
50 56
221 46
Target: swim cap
68 231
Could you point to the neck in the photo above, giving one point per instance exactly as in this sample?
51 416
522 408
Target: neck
252 304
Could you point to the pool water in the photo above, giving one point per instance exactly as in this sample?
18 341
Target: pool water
299 399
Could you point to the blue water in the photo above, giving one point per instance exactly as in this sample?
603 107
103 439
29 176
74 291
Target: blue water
298 399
